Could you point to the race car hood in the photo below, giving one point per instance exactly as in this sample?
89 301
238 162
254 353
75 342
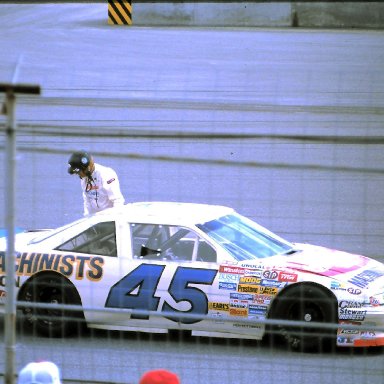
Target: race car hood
357 270
344 267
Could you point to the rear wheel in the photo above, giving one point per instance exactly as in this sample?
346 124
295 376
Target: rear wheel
56 290
311 304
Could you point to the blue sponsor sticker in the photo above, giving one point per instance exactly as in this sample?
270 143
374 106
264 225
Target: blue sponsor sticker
272 283
241 296
257 309
228 286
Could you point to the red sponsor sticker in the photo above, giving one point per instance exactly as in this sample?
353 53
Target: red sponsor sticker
289 277
234 270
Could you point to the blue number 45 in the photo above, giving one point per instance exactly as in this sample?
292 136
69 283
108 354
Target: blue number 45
136 291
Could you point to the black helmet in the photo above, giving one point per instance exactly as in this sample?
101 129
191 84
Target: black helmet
79 161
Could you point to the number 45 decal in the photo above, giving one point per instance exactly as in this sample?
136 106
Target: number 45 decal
137 291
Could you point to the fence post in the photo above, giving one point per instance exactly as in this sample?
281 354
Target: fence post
120 12
10 91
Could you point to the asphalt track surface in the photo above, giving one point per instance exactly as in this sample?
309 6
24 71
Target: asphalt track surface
297 117
310 101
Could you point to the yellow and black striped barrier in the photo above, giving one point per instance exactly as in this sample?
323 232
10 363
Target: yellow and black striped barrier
120 12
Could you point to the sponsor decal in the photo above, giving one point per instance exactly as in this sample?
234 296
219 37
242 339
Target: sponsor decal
336 285
270 274
249 280
262 299
218 306
354 291
287 277
257 310
241 325
230 269
367 334
351 314
268 290
229 277
374 301
239 304
344 341
227 286
251 267
248 288
240 296
239 312
253 273
273 283
347 336
110 181
218 317
347 332
89 267
257 289
363 279
350 304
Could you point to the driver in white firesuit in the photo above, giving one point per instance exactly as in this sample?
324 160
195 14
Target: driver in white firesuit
100 184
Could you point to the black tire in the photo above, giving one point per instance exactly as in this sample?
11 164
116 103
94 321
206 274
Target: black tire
308 303
54 289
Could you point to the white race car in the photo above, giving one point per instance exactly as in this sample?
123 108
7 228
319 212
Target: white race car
158 266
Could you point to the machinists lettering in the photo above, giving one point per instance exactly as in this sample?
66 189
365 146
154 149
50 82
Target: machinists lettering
89 267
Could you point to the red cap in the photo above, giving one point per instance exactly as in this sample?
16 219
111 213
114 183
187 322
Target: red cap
159 376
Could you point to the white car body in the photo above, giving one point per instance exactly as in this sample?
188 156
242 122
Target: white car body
205 282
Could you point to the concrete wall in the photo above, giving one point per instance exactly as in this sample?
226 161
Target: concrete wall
260 14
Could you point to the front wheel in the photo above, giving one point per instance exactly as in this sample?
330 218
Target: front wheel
310 304
55 290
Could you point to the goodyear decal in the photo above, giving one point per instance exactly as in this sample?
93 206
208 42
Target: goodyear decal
80 267
119 12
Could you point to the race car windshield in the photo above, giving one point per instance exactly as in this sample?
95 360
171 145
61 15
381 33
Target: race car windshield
245 239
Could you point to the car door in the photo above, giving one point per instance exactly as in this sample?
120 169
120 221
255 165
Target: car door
160 286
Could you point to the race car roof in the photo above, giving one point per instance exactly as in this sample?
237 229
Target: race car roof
169 212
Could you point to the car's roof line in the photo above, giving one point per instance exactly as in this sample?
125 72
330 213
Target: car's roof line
168 212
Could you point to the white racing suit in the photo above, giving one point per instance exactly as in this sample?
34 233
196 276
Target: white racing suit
101 190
